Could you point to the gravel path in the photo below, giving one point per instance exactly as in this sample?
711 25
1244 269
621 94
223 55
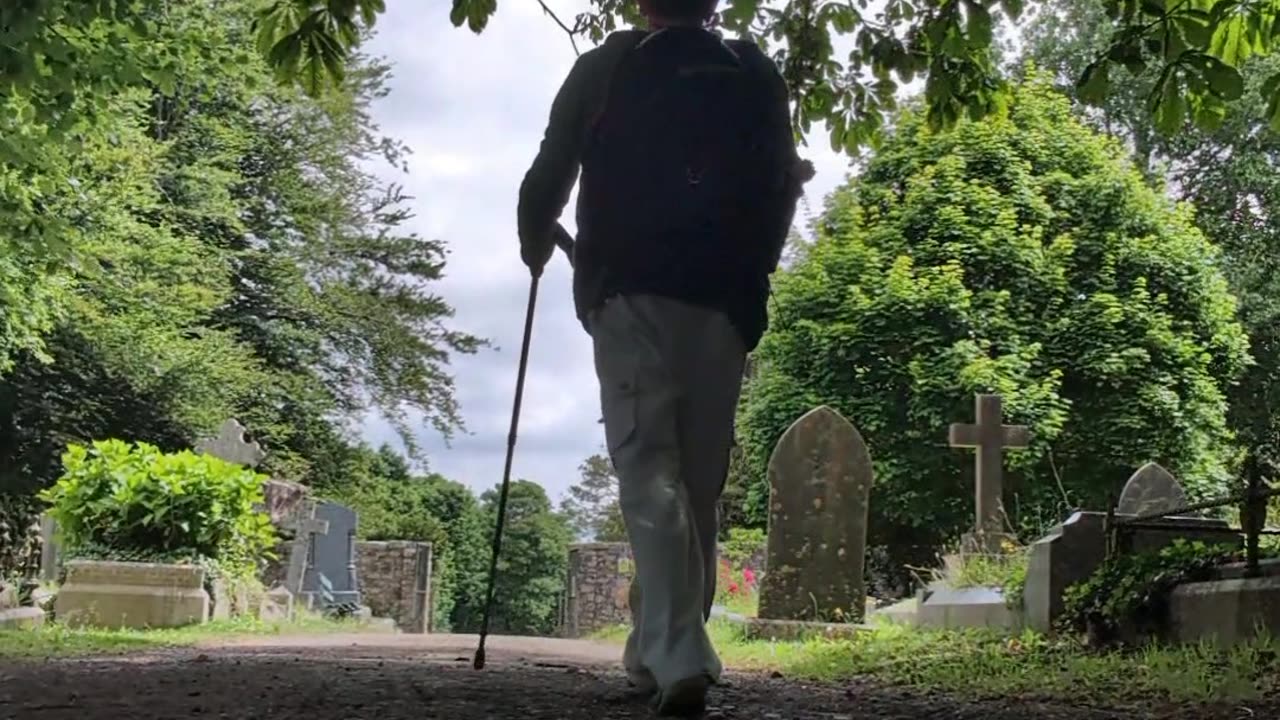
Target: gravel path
427 677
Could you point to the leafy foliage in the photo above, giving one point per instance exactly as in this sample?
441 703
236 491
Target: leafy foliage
532 568
235 257
592 508
1020 255
1200 46
1232 175
132 498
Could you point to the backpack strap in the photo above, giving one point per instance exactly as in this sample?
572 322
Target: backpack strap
628 42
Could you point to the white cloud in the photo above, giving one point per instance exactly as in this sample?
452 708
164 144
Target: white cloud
473 109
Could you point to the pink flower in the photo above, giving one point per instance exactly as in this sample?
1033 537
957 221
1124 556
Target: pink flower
733 588
748 576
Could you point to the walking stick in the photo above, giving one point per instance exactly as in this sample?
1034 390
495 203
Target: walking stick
565 242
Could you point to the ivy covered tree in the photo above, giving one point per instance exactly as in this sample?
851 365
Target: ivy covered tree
1022 255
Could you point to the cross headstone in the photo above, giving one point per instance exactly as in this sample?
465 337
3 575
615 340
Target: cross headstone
231 446
1151 489
990 437
304 526
331 568
820 485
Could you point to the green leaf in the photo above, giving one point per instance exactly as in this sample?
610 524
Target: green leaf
741 12
1094 85
1209 112
1271 91
1223 79
1012 8
979 28
843 18
1170 109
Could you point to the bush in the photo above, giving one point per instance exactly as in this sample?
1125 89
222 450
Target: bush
128 501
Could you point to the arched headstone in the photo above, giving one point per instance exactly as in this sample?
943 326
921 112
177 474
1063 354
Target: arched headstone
1151 489
820 485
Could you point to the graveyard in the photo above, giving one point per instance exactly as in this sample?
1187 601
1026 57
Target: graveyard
1007 448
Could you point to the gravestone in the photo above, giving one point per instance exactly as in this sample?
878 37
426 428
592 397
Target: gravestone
113 595
820 485
1151 489
330 577
230 445
1073 550
50 560
989 436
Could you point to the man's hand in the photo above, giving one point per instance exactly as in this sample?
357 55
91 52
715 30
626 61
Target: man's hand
536 255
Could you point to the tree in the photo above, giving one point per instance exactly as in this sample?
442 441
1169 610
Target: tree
531 570
236 257
1022 255
592 508
1232 176
1200 45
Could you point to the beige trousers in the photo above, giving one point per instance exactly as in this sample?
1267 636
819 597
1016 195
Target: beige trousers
670 375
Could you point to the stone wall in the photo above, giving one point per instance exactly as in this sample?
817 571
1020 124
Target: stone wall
395 582
599 578
595 595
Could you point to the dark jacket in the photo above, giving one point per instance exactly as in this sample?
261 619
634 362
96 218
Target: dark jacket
549 182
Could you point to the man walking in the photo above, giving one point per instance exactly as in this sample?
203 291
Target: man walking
688 188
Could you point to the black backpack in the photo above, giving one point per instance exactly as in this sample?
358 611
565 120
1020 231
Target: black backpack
680 160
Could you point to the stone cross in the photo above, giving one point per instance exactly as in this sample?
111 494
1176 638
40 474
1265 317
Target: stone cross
990 436
305 528
820 486
231 446
1151 489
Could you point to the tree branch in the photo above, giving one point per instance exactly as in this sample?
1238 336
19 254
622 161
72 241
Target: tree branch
568 31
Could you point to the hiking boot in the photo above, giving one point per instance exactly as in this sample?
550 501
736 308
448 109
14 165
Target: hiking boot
685 698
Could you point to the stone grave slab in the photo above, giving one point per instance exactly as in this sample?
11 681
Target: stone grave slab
330 577
948 608
1073 550
1151 489
800 630
276 605
1225 613
820 478
903 612
114 595
21 618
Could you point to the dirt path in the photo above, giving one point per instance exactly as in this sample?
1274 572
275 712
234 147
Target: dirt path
428 677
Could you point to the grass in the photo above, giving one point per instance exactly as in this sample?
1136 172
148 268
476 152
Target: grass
60 641
981 664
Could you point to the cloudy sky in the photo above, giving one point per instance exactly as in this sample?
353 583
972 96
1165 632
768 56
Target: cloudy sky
473 109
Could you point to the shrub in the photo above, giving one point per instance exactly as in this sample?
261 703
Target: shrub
743 545
132 501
